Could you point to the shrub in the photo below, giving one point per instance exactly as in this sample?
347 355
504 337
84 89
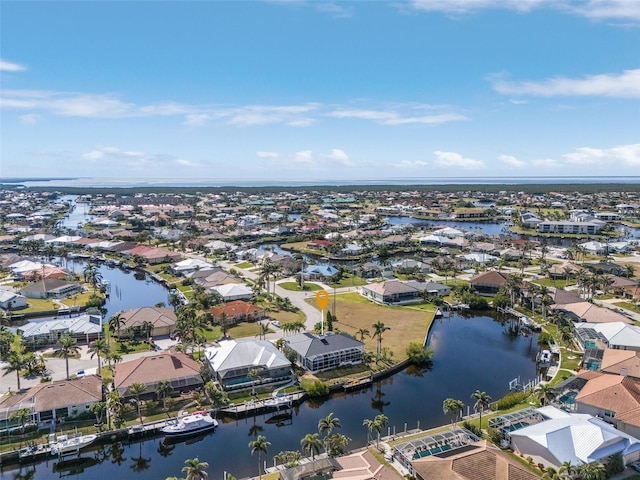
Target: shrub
314 388
473 428
494 435
419 354
511 399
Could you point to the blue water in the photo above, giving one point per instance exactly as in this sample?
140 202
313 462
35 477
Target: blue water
243 182
470 352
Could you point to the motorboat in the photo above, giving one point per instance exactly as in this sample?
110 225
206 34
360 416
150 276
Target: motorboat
544 357
278 401
189 424
64 444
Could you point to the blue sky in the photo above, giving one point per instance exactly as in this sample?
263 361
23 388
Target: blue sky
287 89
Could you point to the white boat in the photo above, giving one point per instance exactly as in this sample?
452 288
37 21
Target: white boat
64 444
278 400
189 424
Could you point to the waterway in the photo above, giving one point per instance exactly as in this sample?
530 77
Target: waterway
471 351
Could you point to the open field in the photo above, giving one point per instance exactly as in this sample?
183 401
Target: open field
406 325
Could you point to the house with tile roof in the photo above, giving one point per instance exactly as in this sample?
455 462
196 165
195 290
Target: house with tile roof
233 291
182 371
237 311
621 362
232 360
615 399
162 319
391 292
318 353
54 400
489 283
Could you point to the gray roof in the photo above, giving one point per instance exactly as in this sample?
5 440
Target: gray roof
309 345
237 354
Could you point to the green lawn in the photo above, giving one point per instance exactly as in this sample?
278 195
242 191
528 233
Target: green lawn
294 287
629 306
245 265
349 280
550 282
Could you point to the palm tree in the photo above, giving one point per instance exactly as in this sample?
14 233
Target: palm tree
592 471
259 445
482 402
454 407
162 390
195 469
545 392
22 416
68 348
15 363
311 443
545 299
116 322
92 276
336 443
137 389
567 469
377 424
328 424
379 328
99 348
253 374
362 332
114 408
630 270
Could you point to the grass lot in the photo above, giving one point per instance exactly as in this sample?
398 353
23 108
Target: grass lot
287 317
629 306
294 287
407 324
245 265
349 280
550 282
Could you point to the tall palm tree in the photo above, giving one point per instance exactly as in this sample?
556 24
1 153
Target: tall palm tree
195 469
312 444
454 407
68 348
545 299
253 374
259 445
362 332
162 390
22 415
545 392
482 402
137 389
376 425
116 322
327 424
378 329
15 363
99 348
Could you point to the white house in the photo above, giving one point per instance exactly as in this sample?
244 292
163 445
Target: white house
234 291
12 300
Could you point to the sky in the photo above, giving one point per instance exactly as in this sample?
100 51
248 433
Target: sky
319 90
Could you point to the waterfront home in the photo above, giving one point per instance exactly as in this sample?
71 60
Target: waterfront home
614 398
52 401
410 265
572 437
617 335
179 369
489 283
51 288
237 311
317 353
319 272
46 331
233 291
432 288
161 320
232 361
588 312
621 362
11 300
391 292
592 228
189 265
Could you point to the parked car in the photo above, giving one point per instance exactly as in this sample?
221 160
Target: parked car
275 323
635 466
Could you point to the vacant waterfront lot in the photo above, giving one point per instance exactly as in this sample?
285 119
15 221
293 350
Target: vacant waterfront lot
407 324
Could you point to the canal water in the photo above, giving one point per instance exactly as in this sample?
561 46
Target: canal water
471 351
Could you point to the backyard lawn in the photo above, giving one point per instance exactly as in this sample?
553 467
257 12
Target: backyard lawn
406 324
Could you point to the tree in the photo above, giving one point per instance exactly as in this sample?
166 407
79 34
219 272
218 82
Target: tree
99 348
195 469
419 354
98 410
15 363
592 471
92 276
545 392
218 397
260 446
376 425
362 332
162 390
137 389
68 348
328 424
116 322
336 443
453 407
482 402
22 415
114 408
312 444
253 374
378 329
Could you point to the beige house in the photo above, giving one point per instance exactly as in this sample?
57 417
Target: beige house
182 371
52 401
162 319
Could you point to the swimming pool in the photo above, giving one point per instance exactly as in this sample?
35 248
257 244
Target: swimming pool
568 398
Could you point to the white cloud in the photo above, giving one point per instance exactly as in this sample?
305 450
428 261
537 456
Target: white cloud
187 163
403 114
518 102
30 119
512 161
412 164
626 155
332 8
268 154
308 159
197 119
593 9
117 158
455 160
11 67
622 85
293 115
338 156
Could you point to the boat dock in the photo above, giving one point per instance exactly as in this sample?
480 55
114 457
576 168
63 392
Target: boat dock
253 407
523 319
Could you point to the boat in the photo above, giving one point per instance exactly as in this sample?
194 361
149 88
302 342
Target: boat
544 358
189 424
278 400
64 444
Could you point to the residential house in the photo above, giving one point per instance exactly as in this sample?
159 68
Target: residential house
232 362
179 369
12 301
617 335
237 311
233 291
53 401
391 292
489 283
432 288
46 331
317 353
588 312
319 272
51 288
162 320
